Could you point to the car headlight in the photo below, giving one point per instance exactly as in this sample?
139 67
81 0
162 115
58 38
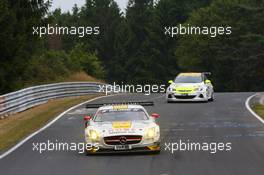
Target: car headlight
94 135
171 89
198 89
151 132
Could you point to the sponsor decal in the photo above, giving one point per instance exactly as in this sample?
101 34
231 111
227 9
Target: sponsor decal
122 125
120 107
122 131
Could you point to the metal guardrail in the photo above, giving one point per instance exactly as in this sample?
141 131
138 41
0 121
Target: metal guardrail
26 98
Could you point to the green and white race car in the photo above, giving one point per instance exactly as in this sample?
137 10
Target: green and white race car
190 87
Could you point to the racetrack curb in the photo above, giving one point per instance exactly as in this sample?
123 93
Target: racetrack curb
46 126
248 106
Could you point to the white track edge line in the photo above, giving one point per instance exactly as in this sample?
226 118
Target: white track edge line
251 111
46 126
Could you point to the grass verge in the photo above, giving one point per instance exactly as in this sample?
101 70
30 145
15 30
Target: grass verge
18 126
74 77
259 109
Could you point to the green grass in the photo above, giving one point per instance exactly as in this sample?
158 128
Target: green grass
74 77
259 109
18 126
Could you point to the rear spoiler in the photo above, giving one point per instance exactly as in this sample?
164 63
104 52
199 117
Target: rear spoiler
142 103
207 73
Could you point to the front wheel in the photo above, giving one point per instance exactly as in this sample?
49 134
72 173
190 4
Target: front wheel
156 152
212 97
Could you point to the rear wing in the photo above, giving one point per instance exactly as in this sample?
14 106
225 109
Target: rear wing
142 103
207 73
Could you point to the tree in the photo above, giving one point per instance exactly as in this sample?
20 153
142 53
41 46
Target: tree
138 17
17 42
106 15
82 60
151 57
236 60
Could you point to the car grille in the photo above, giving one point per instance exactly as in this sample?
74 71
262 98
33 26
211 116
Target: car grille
185 96
184 90
122 139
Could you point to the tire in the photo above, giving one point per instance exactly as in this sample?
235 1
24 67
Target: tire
87 153
212 97
156 152
168 101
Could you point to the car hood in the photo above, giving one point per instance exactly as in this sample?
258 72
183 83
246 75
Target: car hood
186 85
122 127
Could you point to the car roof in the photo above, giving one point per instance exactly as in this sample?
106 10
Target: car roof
190 74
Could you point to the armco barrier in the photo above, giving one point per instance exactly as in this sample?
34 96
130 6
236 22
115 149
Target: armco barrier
26 98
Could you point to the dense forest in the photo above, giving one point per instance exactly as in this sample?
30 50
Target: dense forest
132 47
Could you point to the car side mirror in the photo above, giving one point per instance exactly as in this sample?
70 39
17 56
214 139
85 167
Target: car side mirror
170 81
155 115
87 118
207 82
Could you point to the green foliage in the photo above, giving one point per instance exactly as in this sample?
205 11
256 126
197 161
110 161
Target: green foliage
132 47
148 53
236 61
67 19
107 16
138 17
17 42
25 59
82 60
47 67
51 66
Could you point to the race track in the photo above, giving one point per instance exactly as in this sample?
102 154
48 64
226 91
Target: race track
224 120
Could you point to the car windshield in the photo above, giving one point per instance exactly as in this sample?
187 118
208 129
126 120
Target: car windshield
120 115
188 79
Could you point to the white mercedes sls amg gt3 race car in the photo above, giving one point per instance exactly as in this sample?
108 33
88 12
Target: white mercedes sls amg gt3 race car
122 128
190 87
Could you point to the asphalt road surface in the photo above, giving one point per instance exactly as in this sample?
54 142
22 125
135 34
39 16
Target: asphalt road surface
224 120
